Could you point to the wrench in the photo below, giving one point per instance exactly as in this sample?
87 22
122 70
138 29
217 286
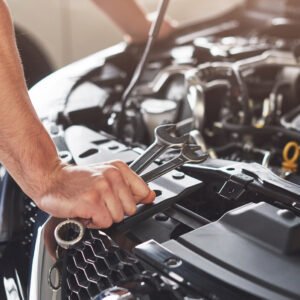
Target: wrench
189 154
163 141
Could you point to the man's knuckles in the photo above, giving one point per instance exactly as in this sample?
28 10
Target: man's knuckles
114 175
102 186
119 163
103 223
130 210
118 217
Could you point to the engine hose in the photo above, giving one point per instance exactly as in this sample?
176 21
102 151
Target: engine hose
267 130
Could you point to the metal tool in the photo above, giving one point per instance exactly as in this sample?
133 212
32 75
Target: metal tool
163 140
189 154
68 233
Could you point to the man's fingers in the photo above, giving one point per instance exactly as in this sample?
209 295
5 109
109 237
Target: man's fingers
92 211
121 191
98 196
138 187
127 200
101 217
107 195
150 198
140 190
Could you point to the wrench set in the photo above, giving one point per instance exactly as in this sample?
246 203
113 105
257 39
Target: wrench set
165 139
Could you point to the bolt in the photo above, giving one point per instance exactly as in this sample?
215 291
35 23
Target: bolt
161 217
173 262
178 175
286 214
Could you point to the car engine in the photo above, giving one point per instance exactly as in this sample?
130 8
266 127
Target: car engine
227 228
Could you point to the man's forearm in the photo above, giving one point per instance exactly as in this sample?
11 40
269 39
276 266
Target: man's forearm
24 143
100 194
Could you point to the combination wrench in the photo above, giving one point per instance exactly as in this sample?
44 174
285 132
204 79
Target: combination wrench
164 140
188 154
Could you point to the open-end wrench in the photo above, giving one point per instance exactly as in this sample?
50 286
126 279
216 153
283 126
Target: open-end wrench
189 154
163 141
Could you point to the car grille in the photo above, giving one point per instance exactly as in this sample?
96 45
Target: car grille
29 216
96 264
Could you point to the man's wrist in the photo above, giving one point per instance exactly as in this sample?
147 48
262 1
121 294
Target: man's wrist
31 160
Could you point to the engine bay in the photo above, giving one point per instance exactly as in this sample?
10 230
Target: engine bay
228 228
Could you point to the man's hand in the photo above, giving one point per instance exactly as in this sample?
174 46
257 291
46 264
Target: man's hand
101 194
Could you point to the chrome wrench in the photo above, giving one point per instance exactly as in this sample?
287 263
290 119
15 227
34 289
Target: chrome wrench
188 154
163 140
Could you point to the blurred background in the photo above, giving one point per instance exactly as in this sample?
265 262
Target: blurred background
53 33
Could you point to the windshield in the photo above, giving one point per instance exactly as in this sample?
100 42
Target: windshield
190 11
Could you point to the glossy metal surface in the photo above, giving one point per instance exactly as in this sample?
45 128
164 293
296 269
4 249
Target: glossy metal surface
163 140
43 260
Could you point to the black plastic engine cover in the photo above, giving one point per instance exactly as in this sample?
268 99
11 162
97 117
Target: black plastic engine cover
258 243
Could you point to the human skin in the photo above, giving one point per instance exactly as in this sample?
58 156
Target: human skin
132 20
101 194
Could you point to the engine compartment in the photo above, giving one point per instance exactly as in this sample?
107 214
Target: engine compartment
225 229
238 94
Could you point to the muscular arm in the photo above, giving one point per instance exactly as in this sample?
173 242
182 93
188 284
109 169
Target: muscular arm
103 194
131 19
20 130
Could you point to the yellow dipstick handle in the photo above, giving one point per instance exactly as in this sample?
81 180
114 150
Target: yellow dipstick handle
291 153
